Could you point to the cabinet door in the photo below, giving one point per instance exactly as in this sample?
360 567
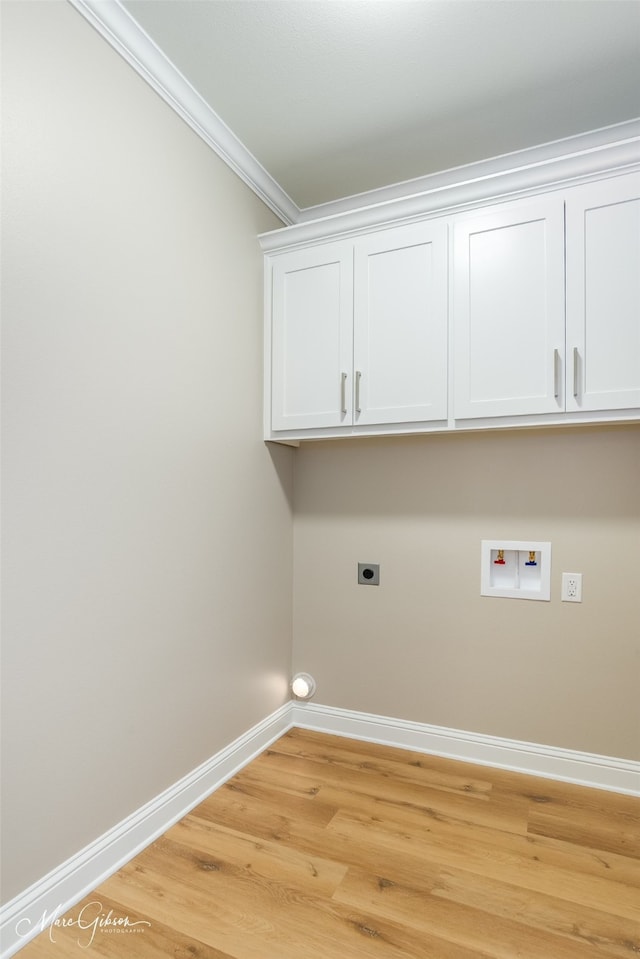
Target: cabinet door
400 325
603 295
312 337
509 309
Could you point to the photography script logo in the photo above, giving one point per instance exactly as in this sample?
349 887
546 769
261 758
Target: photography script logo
91 919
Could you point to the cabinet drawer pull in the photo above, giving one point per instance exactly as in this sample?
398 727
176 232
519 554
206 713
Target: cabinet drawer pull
576 370
556 373
343 393
358 378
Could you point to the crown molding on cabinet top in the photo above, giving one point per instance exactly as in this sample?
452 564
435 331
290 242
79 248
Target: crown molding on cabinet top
612 148
572 149
128 39
599 153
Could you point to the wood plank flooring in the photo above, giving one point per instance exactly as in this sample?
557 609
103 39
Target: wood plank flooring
328 848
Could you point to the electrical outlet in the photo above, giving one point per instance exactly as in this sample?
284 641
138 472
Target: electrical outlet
369 574
572 587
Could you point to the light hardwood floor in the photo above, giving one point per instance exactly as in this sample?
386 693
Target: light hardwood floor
328 848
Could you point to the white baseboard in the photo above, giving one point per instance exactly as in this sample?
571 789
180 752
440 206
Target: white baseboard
33 910
566 765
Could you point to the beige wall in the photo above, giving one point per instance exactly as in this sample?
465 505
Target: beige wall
147 529
424 645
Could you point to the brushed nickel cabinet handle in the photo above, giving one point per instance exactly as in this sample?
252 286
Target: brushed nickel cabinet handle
576 370
556 373
343 393
358 378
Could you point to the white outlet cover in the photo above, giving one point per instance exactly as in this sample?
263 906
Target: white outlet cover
567 579
516 586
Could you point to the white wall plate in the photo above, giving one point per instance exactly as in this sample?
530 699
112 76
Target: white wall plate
515 569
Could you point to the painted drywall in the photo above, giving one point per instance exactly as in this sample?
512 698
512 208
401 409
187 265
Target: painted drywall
147 529
425 646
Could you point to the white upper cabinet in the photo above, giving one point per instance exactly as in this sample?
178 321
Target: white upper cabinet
312 337
400 325
508 310
603 295
519 313
359 331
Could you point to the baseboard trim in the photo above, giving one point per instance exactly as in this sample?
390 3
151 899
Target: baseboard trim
549 762
34 910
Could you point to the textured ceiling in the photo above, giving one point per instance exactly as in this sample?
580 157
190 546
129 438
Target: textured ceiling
337 97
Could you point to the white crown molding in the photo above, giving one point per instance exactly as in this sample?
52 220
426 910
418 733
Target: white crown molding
36 908
613 148
588 154
125 35
609 151
486 170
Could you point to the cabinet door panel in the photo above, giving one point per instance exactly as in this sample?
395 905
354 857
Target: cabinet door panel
400 325
312 338
509 310
603 294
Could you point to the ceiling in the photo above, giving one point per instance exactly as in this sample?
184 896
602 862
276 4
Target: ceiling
338 97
